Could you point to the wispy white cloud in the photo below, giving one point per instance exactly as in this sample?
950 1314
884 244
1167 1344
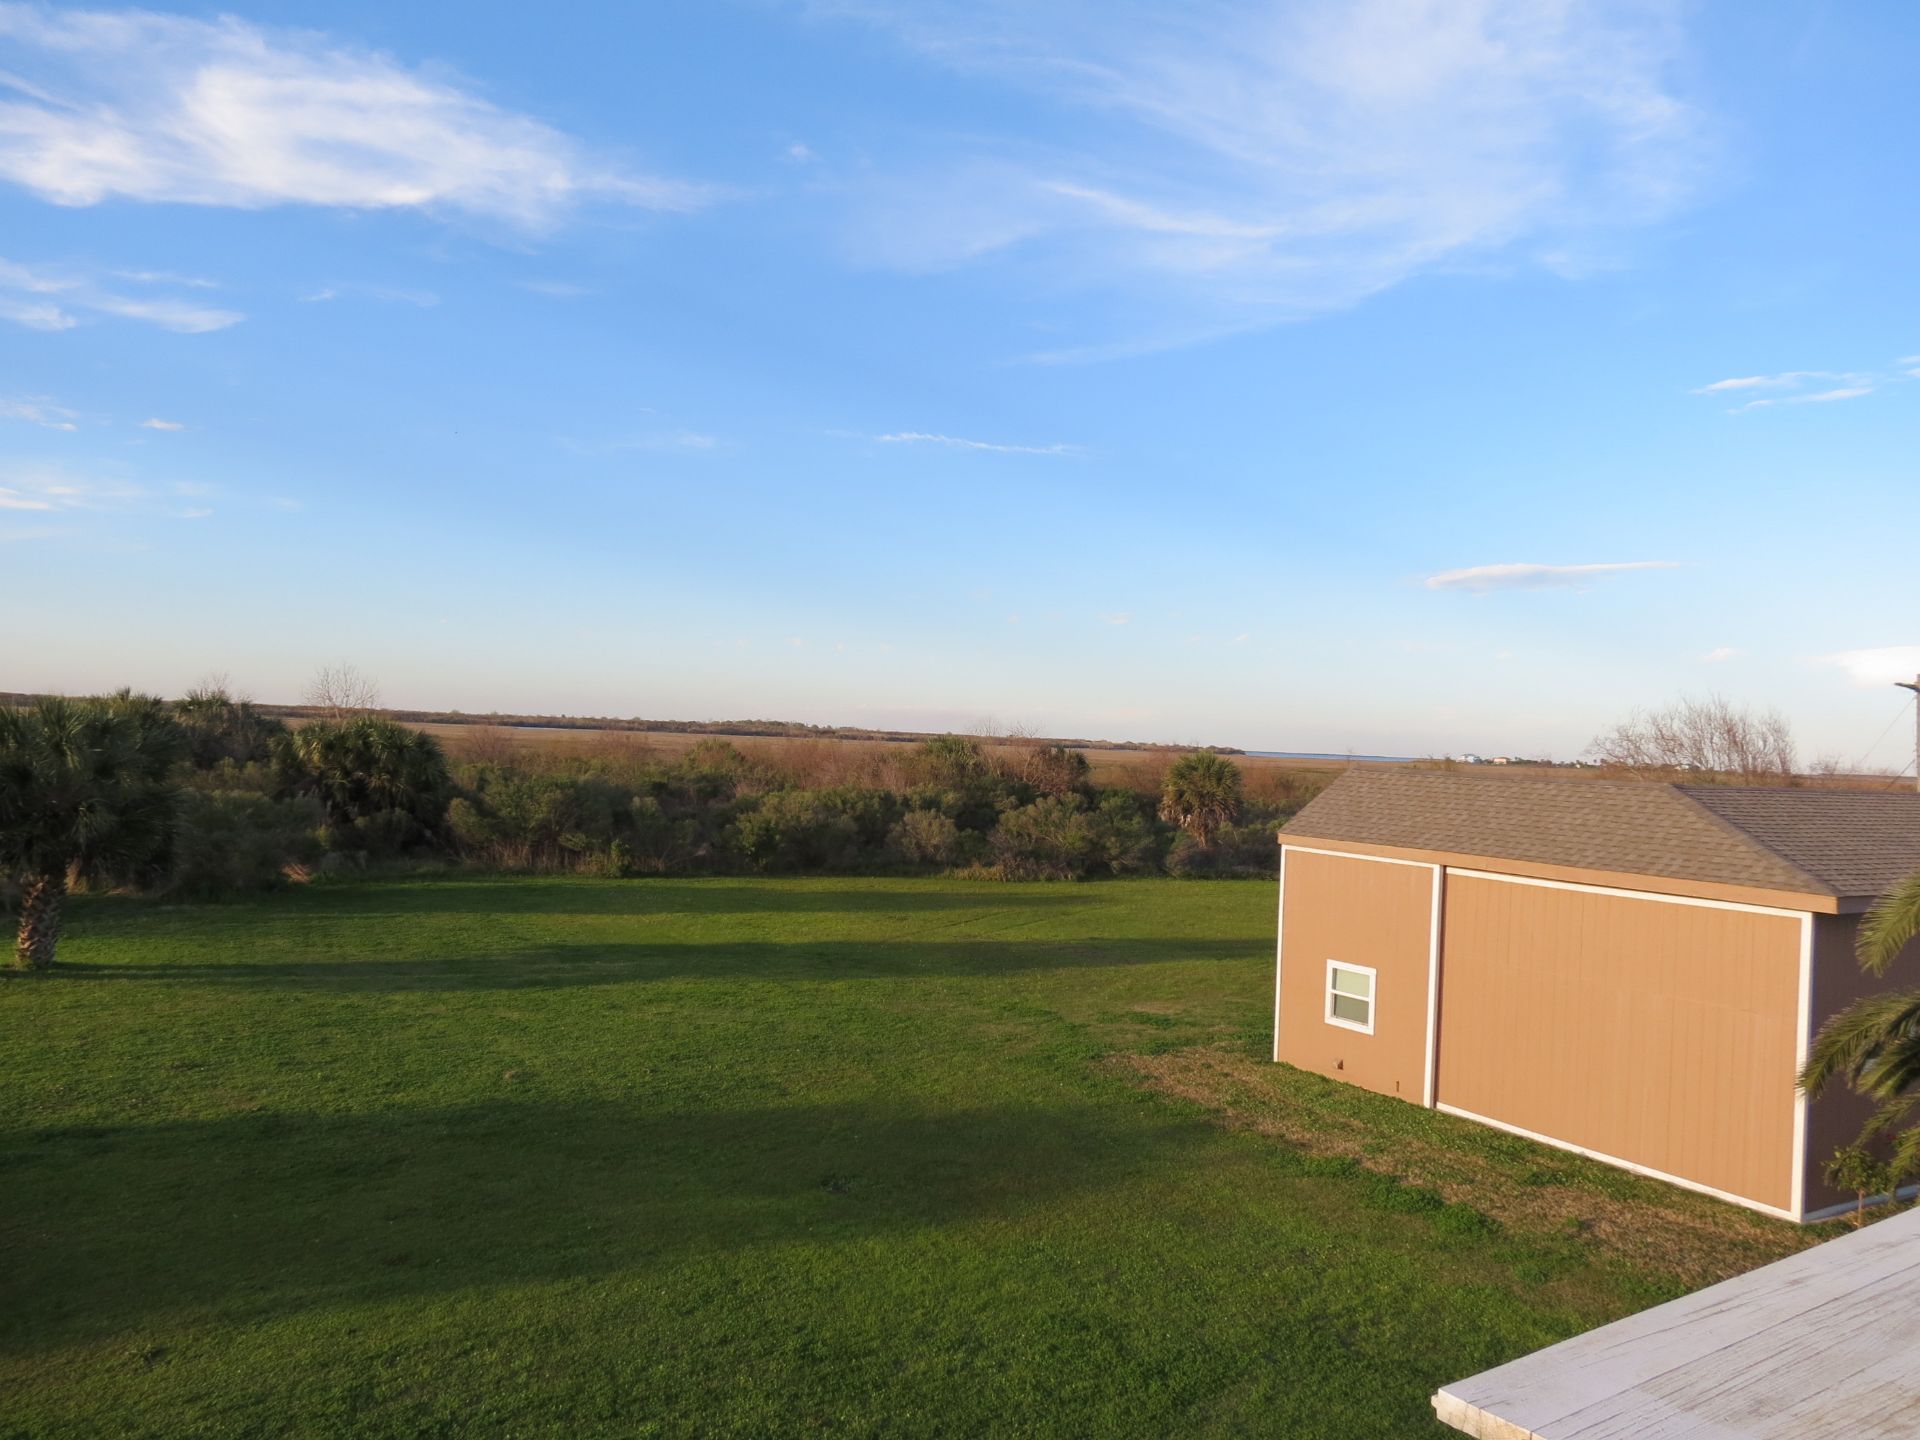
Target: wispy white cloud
166 277
1118 617
1525 576
136 105
916 437
1811 387
1811 397
1720 654
1875 667
1274 161
48 489
393 294
34 314
1759 382
47 297
158 424
38 410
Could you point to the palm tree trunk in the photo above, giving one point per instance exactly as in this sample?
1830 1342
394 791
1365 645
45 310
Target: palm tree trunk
40 907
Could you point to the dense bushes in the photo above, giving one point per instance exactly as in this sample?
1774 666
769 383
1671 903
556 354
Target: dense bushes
233 841
1062 837
222 730
838 829
255 802
1236 852
1032 815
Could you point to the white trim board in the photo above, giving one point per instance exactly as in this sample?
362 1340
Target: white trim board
1433 991
1279 951
1804 1021
1355 855
1618 1163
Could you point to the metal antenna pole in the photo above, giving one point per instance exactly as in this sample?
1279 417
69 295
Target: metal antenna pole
1914 685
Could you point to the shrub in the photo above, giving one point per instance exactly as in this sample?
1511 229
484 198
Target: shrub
222 730
1238 852
927 837
713 770
813 829
232 842
953 762
1053 769
1051 839
539 821
658 843
1124 840
1856 1168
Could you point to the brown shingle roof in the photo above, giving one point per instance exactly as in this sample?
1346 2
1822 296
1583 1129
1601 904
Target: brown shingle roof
1818 842
1859 842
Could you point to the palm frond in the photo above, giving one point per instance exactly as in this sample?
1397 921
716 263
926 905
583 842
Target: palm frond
1887 928
1877 1036
1903 1161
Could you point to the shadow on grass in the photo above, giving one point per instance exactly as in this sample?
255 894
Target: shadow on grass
560 966
734 895
244 1219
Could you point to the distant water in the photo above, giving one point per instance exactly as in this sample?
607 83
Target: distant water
1316 755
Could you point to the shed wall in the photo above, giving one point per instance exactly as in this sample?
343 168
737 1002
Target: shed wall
1376 913
1656 1032
1836 1117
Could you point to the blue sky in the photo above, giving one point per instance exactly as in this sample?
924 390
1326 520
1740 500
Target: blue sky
1393 377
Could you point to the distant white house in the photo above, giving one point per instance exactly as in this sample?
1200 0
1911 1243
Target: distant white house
1466 759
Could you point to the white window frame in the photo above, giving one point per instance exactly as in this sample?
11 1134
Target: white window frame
1373 995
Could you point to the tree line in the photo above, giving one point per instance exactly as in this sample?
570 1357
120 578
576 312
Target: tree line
209 795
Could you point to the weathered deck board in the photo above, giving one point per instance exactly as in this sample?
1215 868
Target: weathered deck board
1817 1345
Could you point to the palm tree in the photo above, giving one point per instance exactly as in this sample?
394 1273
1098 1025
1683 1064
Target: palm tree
1874 1044
1201 794
369 770
83 789
218 727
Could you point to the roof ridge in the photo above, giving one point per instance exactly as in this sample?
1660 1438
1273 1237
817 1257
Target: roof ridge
1626 826
1746 836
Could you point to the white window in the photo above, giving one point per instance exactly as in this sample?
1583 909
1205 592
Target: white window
1350 996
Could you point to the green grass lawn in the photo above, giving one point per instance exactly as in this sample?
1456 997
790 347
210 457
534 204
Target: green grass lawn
724 1157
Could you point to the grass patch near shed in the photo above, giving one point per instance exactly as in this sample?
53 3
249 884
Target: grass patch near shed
1675 1239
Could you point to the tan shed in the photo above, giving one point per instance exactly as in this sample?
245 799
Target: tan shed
1632 971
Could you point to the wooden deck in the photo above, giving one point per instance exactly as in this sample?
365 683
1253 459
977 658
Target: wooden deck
1818 1346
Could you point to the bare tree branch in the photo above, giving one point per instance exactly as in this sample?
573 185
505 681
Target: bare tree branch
342 690
1701 737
